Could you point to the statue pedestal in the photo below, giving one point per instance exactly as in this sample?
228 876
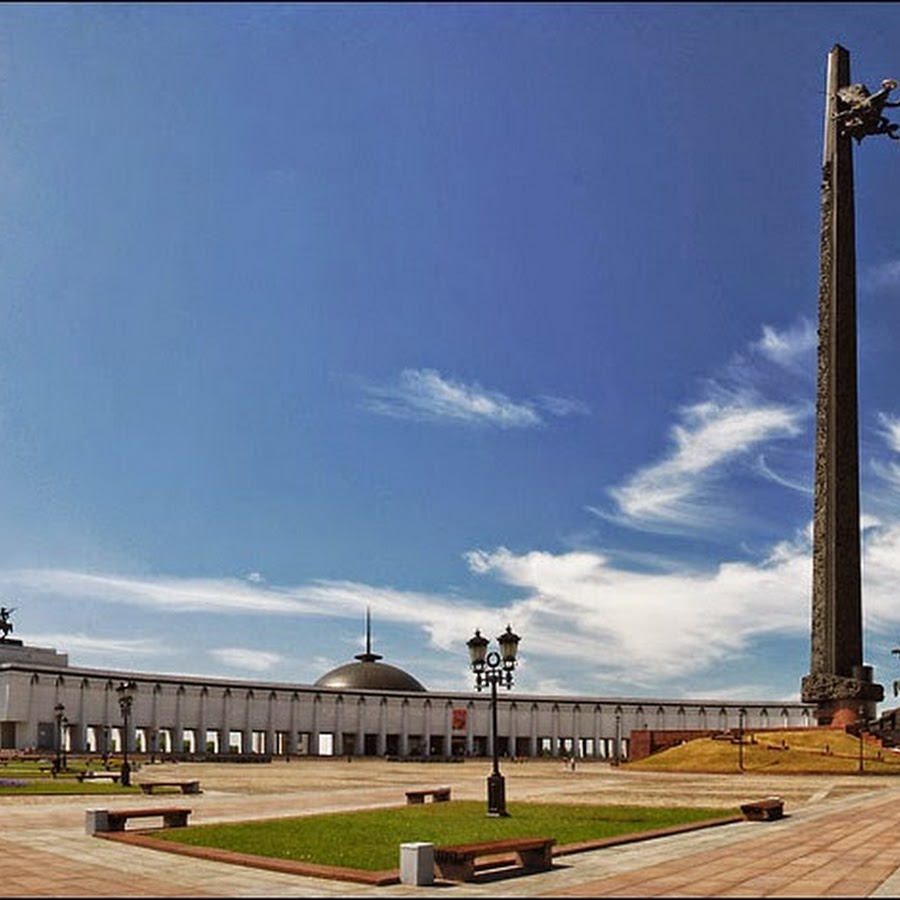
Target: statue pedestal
16 652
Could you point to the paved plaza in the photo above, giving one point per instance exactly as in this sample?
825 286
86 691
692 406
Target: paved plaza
840 835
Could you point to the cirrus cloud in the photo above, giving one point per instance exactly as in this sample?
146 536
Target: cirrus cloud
426 395
735 419
246 658
710 434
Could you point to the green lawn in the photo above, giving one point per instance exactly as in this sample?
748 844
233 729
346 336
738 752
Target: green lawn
34 777
60 785
370 839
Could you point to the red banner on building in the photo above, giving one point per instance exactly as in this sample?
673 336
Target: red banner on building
459 719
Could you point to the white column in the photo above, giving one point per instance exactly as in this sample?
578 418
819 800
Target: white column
314 729
404 728
178 722
448 729
339 749
470 728
426 728
361 727
270 723
382 727
292 718
533 736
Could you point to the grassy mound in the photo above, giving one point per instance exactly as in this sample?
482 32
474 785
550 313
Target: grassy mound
805 751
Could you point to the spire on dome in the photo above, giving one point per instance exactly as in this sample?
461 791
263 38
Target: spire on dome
368 656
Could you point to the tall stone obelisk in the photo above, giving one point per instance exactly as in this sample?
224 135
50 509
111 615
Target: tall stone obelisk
839 683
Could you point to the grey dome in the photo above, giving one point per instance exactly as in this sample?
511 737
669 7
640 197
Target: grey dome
370 674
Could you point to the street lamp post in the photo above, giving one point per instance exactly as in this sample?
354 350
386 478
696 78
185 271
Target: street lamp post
861 724
126 691
741 713
617 748
490 670
60 710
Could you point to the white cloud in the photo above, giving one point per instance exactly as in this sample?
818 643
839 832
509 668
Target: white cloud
588 625
881 573
763 467
426 395
85 645
225 595
440 616
246 658
890 430
562 406
787 348
668 624
760 396
887 470
711 433
567 606
885 275
890 473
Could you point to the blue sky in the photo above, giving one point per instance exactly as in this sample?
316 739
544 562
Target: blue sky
469 314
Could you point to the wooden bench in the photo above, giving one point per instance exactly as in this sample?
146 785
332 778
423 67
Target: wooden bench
187 787
457 863
438 795
763 810
115 819
98 776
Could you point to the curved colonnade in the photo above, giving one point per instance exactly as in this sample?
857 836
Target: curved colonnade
43 708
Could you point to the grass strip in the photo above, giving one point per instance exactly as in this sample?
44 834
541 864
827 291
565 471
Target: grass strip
63 786
369 839
32 776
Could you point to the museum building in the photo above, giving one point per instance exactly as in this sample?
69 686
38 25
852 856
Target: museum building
363 708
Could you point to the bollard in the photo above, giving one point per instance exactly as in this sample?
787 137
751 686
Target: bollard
96 820
417 863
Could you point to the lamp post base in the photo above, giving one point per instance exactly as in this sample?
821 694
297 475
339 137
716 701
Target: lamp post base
496 789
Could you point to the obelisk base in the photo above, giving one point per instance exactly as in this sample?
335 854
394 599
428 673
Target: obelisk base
840 700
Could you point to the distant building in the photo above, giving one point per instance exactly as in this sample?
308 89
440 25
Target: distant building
366 708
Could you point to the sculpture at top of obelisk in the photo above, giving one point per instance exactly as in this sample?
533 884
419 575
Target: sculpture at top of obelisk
861 113
839 683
